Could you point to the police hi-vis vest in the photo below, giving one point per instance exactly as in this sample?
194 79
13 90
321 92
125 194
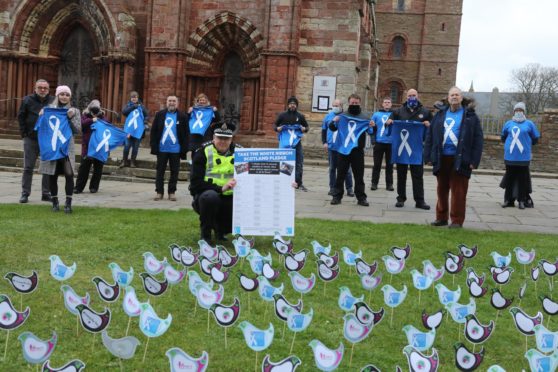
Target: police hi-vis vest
219 169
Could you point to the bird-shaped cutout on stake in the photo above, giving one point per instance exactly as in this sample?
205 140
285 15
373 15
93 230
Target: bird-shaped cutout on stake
108 293
364 268
23 284
257 339
92 321
59 270
207 297
393 265
289 364
152 286
524 257
546 340
298 322
121 277
248 284
370 282
432 321
495 368
472 275
256 261
500 260
366 315
35 350
151 324
216 274
282 247
475 289
393 297
549 306
501 275
525 323
194 279
188 258
349 256
176 252
453 263
401 253
418 362
205 264
549 268
266 290
282 306
466 360
326 359
466 251
172 275
330 261
130 302
459 311
242 245
72 299
227 259
75 365
420 341
432 271
370 368
10 318
522 290
476 332
300 283
445 296
421 281
180 361
151 264
541 362
353 330
346 300
318 248
292 264
226 316
326 273
498 301
208 251
123 348
535 273
269 272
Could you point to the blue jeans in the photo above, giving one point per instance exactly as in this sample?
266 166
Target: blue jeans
134 143
332 157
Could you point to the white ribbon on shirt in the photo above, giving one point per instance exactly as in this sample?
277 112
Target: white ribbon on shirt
105 141
515 131
198 122
168 131
384 119
448 132
292 136
351 135
134 119
54 124
404 145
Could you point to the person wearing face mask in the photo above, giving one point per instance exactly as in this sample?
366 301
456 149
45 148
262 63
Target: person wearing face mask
413 110
328 139
382 145
519 135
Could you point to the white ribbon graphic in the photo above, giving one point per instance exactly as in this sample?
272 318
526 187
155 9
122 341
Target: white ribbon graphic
134 119
292 136
168 131
351 135
448 133
384 119
334 136
404 137
105 141
54 124
515 140
198 122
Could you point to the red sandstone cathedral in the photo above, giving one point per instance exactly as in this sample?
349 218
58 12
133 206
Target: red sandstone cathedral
248 56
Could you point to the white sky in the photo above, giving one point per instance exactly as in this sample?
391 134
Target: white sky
498 36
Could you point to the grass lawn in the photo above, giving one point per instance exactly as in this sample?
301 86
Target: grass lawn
95 237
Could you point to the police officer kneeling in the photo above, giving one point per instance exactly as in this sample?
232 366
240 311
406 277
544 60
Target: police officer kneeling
212 183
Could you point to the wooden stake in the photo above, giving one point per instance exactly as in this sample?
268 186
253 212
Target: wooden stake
284 326
77 326
145 351
292 343
391 319
6 346
256 364
128 327
207 321
419 297
226 337
351 358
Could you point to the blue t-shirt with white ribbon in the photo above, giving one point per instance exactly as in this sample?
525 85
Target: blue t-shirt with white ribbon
407 137
134 123
452 125
519 140
169 139
289 136
104 138
349 129
200 119
54 133
383 131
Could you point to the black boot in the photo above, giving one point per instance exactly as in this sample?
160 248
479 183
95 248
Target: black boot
206 234
55 205
68 205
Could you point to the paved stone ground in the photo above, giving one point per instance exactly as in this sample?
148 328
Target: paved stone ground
483 210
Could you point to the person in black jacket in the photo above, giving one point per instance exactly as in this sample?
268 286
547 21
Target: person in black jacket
412 110
453 147
27 117
169 141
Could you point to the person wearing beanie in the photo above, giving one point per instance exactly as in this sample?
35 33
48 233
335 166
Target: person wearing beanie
64 166
132 142
293 118
519 135
89 116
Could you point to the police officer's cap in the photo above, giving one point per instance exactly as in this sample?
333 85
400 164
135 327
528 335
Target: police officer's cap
224 130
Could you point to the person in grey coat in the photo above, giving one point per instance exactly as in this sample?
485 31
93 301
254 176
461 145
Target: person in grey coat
67 165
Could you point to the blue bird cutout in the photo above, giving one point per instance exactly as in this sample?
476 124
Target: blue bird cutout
349 256
540 362
392 297
59 270
151 324
459 311
121 277
421 341
346 300
446 296
257 339
546 340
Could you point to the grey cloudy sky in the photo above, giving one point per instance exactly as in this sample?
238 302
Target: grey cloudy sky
498 36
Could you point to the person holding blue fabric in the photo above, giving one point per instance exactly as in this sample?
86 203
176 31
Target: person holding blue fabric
382 145
453 147
88 117
202 117
169 141
136 117
294 122
519 135
328 139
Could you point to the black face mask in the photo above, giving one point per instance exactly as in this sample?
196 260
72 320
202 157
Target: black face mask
95 110
354 109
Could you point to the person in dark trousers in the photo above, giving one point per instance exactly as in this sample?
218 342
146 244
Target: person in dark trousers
412 110
27 117
382 145
453 147
169 141
132 142
88 117
212 183
293 117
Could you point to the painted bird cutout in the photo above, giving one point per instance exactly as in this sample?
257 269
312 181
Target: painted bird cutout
525 323
535 272
217 275
540 362
466 360
23 284
522 290
152 286
318 248
123 348
242 245
72 299
108 293
418 362
248 284
549 306
366 315
445 296
257 339
370 368
281 247
498 301
459 311
207 297
393 265
432 321
330 261
420 341
151 324
205 264
349 256
476 332
224 315
363 267
401 253
10 318
475 289
266 290
180 361
188 258
130 302
121 277
298 322
421 281
549 268
471 274
35 350
326 359
151 264
59 270
393 297
277 236
172 275
546 340
500 260
453 263
501 275
370 282
256 261
194 279
75 365
302 284
524 257
495 368
207 250
176 252
289 364
292 264
227 259
92 321
269 272
282 306
346 300
432 271
466 251
353 330
326 273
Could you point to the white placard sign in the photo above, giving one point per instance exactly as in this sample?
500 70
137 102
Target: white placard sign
264 199
323 93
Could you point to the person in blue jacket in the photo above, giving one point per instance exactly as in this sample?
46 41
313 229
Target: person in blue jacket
382 145
519 135
131 142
